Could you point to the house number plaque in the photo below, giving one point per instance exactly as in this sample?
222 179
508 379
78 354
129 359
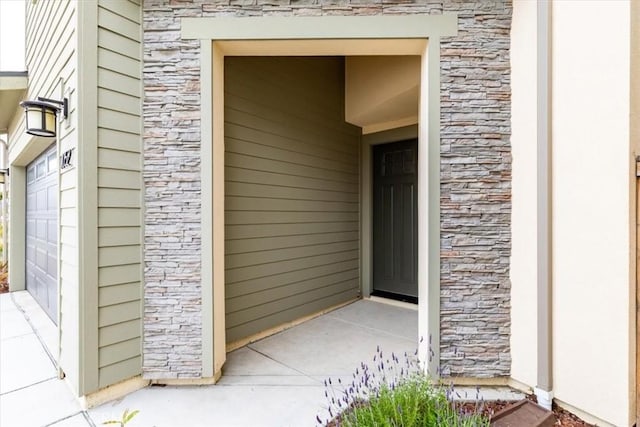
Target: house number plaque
65 159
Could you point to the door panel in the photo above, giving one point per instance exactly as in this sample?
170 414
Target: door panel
395 221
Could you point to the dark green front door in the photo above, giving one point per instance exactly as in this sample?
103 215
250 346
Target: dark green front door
395 220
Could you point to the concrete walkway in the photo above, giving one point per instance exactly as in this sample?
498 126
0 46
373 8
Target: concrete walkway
30 392
277 381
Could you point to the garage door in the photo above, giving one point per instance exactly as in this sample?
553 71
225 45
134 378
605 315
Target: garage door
42 236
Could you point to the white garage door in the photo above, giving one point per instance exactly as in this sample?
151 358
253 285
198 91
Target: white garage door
42 236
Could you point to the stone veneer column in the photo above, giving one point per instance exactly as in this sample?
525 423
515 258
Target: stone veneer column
475 179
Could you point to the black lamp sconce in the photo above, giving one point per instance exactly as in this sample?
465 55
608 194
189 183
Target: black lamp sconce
41 115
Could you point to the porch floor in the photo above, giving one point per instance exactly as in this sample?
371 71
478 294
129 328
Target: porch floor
277 381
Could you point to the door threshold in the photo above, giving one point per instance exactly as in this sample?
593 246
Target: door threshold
394 302
395 296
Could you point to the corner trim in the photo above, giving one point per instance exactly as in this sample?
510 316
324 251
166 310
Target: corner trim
87 191
429 197
544 191
17 218
206 185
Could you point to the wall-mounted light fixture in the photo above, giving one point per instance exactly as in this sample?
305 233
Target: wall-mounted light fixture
4 173
41 115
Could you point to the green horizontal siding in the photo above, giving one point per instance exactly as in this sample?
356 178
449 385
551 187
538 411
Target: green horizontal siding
250 231
291 192
126 368
260 271
289 277
118 236
120 192
117 294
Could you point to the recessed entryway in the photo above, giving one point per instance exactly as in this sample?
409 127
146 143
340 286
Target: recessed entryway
294 135
339 36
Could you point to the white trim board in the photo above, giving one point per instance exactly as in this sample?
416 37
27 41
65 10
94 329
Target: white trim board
320 27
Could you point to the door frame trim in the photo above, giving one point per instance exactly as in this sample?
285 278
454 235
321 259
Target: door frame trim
366 199
635 237
373 211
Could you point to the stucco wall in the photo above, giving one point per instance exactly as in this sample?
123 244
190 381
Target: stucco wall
592 192
476 180
593 205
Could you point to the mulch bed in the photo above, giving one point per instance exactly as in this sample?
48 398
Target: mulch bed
4 282
563 418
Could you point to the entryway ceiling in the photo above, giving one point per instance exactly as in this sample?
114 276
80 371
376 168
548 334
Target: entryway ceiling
382 89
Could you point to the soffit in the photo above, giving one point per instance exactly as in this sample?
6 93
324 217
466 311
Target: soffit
328 47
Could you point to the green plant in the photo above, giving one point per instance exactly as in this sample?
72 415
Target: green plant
126 417
395 393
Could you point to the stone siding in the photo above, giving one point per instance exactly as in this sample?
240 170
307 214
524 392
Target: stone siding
475 173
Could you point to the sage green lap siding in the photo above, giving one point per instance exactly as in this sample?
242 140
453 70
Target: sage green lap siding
119 190
51 54
291 192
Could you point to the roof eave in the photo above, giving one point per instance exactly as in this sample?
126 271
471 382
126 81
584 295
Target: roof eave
13 86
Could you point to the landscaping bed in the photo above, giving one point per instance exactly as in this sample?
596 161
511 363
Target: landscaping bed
4 276
564 418
394 391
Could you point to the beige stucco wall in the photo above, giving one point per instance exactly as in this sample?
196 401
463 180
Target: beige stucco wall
591 207
523 214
